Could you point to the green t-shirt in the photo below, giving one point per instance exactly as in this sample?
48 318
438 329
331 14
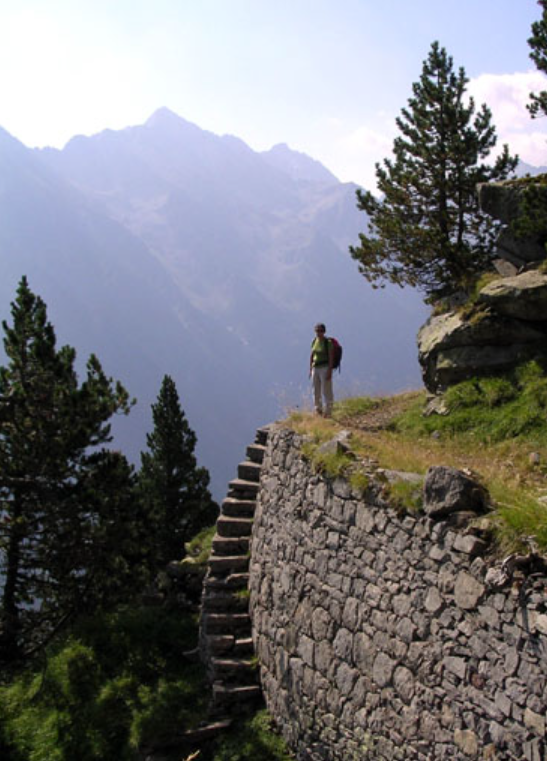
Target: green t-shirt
320 351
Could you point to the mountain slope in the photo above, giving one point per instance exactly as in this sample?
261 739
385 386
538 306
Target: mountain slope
165 248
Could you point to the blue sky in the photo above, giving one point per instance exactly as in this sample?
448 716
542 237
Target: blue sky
328 77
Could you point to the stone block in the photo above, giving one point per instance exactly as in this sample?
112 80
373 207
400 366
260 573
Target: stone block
467 591
382 670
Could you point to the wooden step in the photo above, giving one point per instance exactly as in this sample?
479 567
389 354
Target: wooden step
256 452
243 489
228 526
238 508
224 545
249 471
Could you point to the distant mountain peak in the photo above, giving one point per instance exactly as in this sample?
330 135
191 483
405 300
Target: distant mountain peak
298 165
163 115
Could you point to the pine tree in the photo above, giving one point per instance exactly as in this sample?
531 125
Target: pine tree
48 422
428 231
538 44
172 486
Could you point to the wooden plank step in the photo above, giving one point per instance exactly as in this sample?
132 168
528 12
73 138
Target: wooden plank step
223 565
256 452
238 508
249 471
231 545
243 489
229 526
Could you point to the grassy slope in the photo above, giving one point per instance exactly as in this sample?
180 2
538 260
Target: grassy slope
496 428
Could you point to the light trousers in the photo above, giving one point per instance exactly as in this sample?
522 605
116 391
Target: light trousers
322 389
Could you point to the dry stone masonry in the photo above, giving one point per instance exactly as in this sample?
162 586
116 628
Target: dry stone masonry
388 636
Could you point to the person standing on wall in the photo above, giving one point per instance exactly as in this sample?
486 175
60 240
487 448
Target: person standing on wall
321 366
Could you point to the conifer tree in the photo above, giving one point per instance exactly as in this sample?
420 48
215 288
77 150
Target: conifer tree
538 44
49 525
174 489
427 230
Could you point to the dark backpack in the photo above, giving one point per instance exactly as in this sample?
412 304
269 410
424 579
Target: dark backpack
337 353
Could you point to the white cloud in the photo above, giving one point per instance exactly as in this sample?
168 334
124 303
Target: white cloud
507 95
352 152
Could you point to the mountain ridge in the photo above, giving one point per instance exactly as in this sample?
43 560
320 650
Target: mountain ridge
164 248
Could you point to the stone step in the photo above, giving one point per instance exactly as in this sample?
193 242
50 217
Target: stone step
256 452
223 565
238 545
238 508
227 526
240 670
222 644
226 696
232 582
243 646
249 471
243 489
224 623
262 435
224 602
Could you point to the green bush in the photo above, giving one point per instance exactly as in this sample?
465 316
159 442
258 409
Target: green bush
254 740
116 682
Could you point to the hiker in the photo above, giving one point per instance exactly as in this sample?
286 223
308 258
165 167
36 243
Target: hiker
321 366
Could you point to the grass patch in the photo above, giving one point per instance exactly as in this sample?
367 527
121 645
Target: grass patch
406 496
332 464
251 740
199 548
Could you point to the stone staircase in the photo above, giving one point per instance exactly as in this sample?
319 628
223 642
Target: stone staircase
225 638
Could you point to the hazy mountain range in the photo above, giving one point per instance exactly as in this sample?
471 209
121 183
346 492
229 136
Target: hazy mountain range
164 248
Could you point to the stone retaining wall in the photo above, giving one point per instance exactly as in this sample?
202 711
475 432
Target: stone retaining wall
377 634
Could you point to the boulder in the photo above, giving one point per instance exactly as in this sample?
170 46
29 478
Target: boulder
452 347
523 296
448 490
502 200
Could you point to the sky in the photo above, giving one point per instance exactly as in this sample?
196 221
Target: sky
327 77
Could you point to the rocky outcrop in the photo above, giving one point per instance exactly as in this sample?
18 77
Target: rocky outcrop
384 636
508 323
507 327
504 202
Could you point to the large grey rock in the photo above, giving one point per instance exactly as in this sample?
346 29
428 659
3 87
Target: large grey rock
502 200
452 348
523 296
448 490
